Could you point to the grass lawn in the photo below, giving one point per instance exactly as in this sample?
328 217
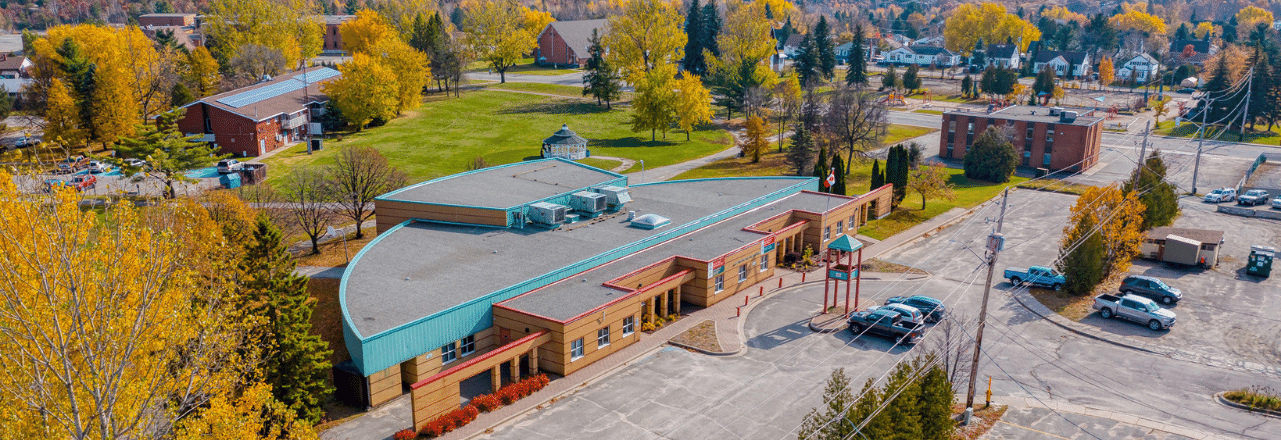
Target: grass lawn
930 112
969 193
444 135
899 133
332 252
551 89
525 66
1069 306
604 164
1187 130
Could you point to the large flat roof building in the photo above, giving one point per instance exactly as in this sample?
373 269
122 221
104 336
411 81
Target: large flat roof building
550 265
1043 137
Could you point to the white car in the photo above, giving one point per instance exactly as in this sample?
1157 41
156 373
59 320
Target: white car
98 167
1221 195
229 166
136 163
1276 203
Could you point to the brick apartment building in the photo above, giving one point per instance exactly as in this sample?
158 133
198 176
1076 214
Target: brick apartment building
262 117
333 38
1043 137
566 42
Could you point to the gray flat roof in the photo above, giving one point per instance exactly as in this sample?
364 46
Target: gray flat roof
1031 114
504 186
423 268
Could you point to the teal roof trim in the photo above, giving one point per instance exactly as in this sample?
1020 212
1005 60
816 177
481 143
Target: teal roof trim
386 349
388 196
845 243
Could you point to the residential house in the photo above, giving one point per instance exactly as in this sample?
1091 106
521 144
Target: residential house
567 42
332 44
1064 63
263 117
792 44
1002 56
924 56
1194 52
1141 68
843 51
14 66
929 41
161 20
898 40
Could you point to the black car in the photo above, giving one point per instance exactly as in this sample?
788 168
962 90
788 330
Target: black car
932 308
1152 288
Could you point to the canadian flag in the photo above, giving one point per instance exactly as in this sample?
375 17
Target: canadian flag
831 179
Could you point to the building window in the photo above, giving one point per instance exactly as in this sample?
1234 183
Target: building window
742 273
852 221
468 345
1045 161
840 225
602 338
629 325
720 282
951 126
1029 131
764 262
1049 135
576 349
827 233
448 353
970 130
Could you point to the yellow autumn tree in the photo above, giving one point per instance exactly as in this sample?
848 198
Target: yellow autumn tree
694 103
1062 13
1106 71
1202 29
745 37
989 21
1134 19
255 414
202 71
643 35
535 22
367 90
363 32
780 9
1119 217
113 324
654 105
287 26
62 118
1249 17
496 33
754 143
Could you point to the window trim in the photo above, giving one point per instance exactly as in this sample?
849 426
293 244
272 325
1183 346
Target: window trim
450 355
629 325
576 350
602 333
720 283
827 233
742 273
467 346
764 261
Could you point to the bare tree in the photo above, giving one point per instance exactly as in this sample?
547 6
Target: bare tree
310 201
858 118
252 62
755 101
359 174
952 346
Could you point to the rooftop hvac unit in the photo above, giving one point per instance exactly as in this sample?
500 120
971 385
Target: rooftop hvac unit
587 202
1055 111
616 196
1067 117
544 213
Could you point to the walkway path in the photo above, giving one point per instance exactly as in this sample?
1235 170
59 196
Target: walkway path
626 163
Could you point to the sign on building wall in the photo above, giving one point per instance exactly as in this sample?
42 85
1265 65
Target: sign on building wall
767 245
716 267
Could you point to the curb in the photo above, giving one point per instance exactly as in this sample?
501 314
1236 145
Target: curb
706 352
1263 412
818 329
1072 328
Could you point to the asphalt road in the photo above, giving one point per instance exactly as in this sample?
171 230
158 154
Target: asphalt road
765 392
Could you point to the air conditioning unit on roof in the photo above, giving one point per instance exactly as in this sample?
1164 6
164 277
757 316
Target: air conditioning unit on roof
616 196
547 214
587 202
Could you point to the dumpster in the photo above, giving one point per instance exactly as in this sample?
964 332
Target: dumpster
1260 262
230 181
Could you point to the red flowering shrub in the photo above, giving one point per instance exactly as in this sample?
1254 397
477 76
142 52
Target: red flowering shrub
453 420
405 434
484 403
487 402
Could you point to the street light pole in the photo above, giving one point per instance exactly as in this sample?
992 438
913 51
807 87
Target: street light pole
994 244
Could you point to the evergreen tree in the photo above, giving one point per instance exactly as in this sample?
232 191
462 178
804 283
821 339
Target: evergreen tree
1157 194
711 29
801 150
784 32
904 409
830 423
694 29
967 85
856 74
839 165
732 85
912 78
179 96
1182 33
1221 103
420 34
878 179
600 80
1230 31
898 173
979 56
890 79
1260 104
820 168
456 17
295 361
992 158
1044 82
1085 265
874 427
935 401
826 49
806 63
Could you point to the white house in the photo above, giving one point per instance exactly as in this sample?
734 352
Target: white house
1141 68
1002 56
929 41
843 51
925 56
1064 63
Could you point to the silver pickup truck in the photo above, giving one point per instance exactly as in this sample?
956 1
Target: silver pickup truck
1134 308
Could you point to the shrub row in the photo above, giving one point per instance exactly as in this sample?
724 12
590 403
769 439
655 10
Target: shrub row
484 403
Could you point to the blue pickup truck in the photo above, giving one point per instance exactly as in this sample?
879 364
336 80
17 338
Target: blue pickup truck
1036 276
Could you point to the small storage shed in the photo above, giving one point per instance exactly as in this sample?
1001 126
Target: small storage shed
565 144
1183 246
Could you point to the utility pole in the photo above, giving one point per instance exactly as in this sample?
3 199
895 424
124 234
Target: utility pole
1245 111
1143 151
995 242
1196 167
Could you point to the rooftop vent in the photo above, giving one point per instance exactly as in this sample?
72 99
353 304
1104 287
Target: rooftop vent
587 202
616 196
1055 111
547 214
650 221
1067 117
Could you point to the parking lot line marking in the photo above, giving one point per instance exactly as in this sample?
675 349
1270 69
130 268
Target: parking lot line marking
1033 430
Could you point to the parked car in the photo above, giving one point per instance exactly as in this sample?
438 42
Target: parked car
136 163
907 312
932 308
98 167
229 166
1036 276
80 183
1276 203
1134 308
1152 288
1253 197
885 323
73 163
1221 195
1186 90
26 141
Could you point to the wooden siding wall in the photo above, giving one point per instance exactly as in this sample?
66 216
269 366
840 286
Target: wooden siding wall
441 395
390 213
428 364
384 385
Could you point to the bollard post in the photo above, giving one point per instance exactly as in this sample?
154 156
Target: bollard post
746 298
802 277
761 292
780 282
738 311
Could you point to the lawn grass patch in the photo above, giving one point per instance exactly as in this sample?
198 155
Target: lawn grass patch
1067 305
1257 397
984 418
550 89
930 112
701 336
879 265
1189 130
332 253
525 66
899 133
444 135
969 193
604 164
1057 186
